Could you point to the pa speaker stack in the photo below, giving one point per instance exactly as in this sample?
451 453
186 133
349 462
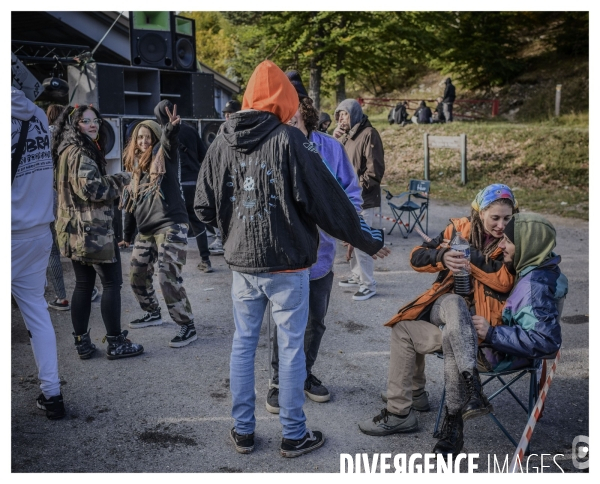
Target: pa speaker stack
162 40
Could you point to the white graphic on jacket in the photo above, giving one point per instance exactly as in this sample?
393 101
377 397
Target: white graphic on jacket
249 172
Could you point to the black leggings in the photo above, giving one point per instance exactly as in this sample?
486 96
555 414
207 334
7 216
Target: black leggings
110 306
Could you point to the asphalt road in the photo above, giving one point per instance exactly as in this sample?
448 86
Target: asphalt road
169 409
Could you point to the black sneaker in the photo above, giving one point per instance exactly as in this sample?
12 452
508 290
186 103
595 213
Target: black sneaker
54 406
244 444
187 334
308 443
273 400
315 390
121 347
148 319
205 266
59 306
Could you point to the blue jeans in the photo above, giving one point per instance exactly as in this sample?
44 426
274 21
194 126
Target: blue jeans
288 293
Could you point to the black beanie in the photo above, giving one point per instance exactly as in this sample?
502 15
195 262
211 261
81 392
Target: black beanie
294 78
509 230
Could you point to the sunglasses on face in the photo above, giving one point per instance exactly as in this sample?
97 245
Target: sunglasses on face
86 121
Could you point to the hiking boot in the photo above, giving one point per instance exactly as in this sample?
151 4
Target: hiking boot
476 403
84 346
315 390
54 406
363 294
205 266
148 319
216 248
451 436
272 403
187 334
244 443
308 443
95 293
420 402
350 282
387 423
120 347
59 306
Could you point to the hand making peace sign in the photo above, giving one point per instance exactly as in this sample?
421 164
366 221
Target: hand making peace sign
173 118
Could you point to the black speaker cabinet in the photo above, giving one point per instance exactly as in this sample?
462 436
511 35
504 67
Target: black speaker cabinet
184 43
193 92
115 89
151 40
209 128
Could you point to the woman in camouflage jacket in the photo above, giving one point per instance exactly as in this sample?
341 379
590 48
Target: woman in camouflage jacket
84 227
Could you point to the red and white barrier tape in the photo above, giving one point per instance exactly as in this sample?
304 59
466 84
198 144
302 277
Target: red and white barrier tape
535 415
392 219
426 238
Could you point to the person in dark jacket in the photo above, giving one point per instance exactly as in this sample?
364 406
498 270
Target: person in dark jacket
530 319
448 99
154 203
324 122
438 115
266 187
191 151
365 150
398 114
231 107
423 114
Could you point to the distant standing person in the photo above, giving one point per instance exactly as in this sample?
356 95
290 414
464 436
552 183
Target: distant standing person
365 150
448 100
191 151
439 116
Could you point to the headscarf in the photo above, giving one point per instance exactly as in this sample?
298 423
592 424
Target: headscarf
492 193
534 239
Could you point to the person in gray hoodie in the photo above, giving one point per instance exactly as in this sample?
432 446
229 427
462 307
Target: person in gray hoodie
365 150
31 240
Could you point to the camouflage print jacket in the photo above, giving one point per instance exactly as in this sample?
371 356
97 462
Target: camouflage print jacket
85 207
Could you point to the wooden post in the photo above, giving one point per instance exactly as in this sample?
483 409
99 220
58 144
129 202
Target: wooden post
557 100
426 148
463 159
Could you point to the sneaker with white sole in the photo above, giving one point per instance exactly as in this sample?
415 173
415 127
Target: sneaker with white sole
148 319
187 334
387 423
363 294
308 443
315 390
350 282
272 402
216 248
59 305
244 443
54 406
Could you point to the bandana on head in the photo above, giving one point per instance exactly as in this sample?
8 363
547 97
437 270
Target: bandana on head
492 193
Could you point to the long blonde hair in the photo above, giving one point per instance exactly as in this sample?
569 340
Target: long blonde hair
477 235
133 153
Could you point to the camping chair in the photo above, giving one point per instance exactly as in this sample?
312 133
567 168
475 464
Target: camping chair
538 367
416 206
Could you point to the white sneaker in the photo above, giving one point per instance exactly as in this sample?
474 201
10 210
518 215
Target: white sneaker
350 282
216 248
363 294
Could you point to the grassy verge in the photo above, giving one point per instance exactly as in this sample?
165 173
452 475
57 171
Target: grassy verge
546 164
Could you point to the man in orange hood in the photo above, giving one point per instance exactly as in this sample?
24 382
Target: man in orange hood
265 186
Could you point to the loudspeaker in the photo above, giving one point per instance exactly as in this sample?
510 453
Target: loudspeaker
209 128
110 130
150 39
193 92
184 43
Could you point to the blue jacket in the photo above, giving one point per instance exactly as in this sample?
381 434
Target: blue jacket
530 320
335 157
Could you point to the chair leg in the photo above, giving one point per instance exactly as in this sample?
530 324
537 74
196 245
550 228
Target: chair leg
439 414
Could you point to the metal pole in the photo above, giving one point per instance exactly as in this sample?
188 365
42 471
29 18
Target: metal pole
426 149
463 159
557 100
269 339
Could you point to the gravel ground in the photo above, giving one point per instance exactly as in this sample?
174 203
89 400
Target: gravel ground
169 410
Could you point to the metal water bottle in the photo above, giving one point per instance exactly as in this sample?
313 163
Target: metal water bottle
462 279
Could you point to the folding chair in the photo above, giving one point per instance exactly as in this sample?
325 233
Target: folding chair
538 367
418 191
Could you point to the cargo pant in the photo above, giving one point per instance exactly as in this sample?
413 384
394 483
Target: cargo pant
168 246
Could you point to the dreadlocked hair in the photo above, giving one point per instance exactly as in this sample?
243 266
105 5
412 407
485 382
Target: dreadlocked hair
477 236
133 153
67 132
309 113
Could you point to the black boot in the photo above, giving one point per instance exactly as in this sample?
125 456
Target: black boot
451 437
84 346
476 403
120 347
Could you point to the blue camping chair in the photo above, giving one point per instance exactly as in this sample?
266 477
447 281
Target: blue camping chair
416 207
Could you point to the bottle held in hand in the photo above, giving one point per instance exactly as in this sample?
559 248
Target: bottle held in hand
462 279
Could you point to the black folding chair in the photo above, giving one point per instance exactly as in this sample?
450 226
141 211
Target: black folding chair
416 207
